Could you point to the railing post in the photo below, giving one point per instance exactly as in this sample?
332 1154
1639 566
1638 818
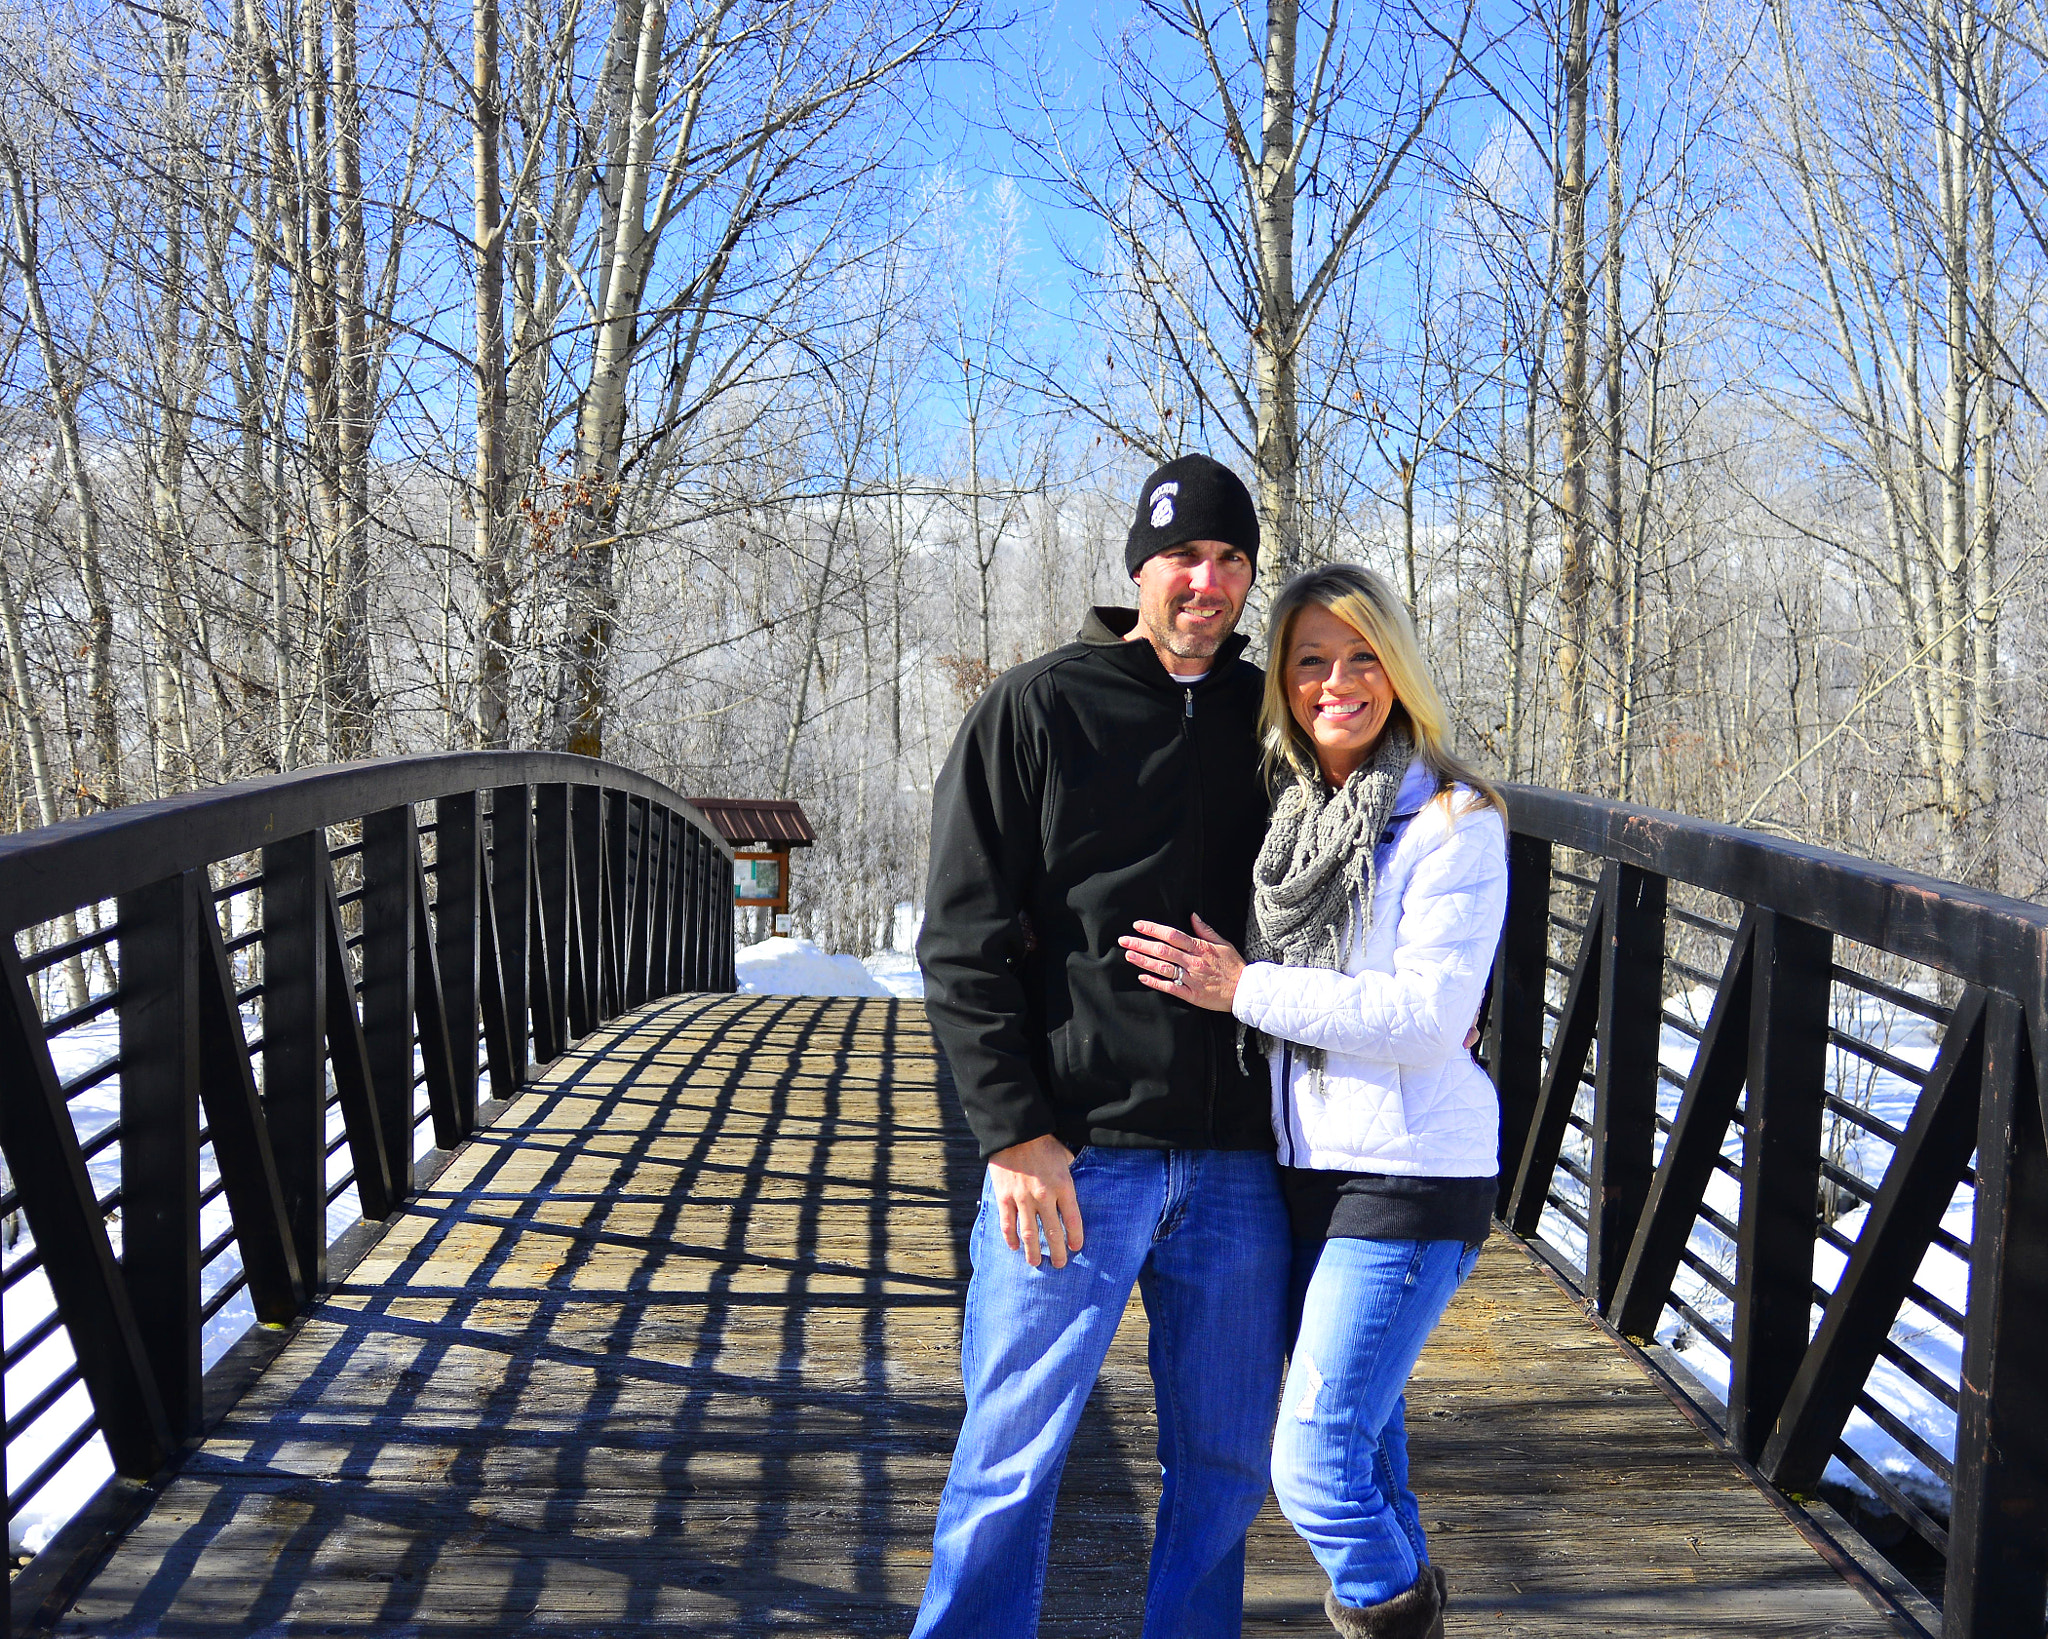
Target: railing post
551 871
458 883
728 933
511 880
635 931
1625 1080
658 900
713 902
1782 1110
295 875
691 975
586 903
159 1011
1514 1024
390 837
1998 1528
613 978
718 917
680 898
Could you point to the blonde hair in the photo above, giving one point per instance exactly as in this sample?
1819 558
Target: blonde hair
1371 608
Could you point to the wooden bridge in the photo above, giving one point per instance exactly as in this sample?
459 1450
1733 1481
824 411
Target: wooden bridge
664 1338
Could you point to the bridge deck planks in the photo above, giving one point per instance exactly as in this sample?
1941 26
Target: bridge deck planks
672 1347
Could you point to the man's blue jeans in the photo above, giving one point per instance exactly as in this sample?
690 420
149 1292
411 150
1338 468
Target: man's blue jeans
1340 1452
1203 1234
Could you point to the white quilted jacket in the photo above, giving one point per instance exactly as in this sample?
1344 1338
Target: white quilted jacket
1399 1092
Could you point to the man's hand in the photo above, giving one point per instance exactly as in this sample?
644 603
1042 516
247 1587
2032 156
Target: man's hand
1034 1186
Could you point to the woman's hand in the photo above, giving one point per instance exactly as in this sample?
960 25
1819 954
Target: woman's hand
1200 967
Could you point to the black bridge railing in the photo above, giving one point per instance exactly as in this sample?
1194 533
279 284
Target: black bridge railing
240 1022
1778 1112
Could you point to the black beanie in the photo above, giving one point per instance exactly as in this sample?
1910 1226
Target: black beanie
1192 498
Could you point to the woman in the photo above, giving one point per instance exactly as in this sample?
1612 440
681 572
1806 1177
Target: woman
1376 905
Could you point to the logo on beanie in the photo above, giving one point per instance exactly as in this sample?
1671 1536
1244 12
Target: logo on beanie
1162 504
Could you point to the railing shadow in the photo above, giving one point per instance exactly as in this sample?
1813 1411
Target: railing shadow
676 1341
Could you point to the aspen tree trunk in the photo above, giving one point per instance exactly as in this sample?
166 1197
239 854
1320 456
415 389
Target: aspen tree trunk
1511 714
632 129
315 321
843 520
1524 573
282 217
1984 611
177 371
1956 154
899 537
99 666
1632 611
1575 567
1274 338
492 526
41 776
355 701
986 543
1622 573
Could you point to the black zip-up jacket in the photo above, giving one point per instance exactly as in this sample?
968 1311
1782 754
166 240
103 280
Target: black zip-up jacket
1088 789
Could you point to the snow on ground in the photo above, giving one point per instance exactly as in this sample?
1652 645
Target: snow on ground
1905 1036
797 967
897 972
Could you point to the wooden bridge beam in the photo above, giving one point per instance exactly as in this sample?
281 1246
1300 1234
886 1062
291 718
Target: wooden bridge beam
1998 1531
1625 1082
159 1012
390 843
1782 1110
458 940
1514 1025
295 945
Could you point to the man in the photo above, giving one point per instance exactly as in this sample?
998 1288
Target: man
1112 780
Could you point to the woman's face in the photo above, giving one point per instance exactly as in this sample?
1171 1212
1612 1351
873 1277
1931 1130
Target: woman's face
1339 692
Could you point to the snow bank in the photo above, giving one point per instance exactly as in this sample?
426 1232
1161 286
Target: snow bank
796 967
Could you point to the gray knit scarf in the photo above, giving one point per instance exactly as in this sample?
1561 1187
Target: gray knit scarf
1317 863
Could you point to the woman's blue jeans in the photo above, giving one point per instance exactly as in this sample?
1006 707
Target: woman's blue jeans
1340 1451
1203 1235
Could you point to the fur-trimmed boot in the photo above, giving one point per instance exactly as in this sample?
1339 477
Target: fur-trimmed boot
1416 1614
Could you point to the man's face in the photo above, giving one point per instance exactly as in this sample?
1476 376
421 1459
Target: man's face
1189 598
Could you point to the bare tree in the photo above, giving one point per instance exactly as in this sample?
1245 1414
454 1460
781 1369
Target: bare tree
1212 146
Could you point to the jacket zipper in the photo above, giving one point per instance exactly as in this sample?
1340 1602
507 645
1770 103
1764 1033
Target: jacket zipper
1287 1099
1187 729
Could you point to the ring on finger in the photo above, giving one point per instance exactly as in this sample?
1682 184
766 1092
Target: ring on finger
1180 975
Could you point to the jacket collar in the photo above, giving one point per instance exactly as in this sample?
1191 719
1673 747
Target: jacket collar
1418 785
1108 629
